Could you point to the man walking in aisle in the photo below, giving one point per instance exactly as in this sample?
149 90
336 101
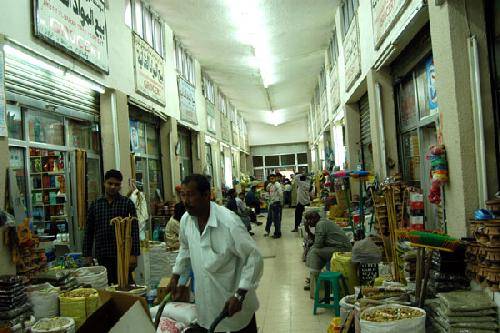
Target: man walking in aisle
226 263
303 199
100 233
274 209
328 238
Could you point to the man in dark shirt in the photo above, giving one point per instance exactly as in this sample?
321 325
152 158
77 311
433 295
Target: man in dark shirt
101 233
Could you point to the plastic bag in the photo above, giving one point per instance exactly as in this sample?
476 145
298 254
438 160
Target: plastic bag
45 300
366 252
413 325
168 325
181 312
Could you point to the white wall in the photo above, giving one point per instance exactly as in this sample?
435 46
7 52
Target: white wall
263 134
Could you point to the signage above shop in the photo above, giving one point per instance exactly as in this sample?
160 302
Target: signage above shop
334 88
187 102
149 69
76 26
385 14
352 54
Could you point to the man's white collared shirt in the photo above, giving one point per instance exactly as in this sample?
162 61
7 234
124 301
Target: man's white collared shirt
224 258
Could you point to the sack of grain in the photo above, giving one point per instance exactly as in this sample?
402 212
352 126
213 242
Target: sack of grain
79 304
393 318
96 276
45 300
54 325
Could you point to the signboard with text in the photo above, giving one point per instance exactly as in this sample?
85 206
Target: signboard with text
187 101
334 88
352 54
76 26
211 126
149 71
385 14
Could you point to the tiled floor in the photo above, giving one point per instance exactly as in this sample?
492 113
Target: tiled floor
284 305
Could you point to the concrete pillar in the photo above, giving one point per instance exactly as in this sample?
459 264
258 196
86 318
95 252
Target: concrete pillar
449 33
167 156
388 110
115 133
175 160
353 136
6 266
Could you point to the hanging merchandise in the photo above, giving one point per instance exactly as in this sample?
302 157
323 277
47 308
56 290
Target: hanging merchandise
141 208
439 172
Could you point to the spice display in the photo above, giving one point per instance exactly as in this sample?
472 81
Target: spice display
382 314
53 324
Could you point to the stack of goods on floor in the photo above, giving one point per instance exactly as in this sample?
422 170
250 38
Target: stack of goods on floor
448 272
463 311
393 318
410 259
160 263
484 256
15 310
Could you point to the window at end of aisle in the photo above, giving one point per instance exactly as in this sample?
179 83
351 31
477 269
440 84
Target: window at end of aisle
273 160
257 161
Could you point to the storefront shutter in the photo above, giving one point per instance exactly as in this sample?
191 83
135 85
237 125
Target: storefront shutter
34 84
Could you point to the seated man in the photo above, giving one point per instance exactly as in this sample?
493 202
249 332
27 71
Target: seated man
328 238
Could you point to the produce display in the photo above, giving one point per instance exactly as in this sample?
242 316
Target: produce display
384 314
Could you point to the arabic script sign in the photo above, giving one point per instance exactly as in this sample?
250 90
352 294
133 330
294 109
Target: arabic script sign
149 71
352 55
385 14
77 26
187 102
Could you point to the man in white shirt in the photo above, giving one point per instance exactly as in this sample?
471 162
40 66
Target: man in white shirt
303 199
226 263
274 209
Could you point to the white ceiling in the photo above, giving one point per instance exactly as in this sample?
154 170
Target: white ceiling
295 35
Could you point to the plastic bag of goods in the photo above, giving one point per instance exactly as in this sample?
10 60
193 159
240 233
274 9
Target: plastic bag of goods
79 304
393 318
168 325
346 306
366 251
95 276
178 311
341 262
45 300
54 325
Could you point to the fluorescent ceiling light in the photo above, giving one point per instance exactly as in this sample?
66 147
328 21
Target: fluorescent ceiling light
248 18
276 117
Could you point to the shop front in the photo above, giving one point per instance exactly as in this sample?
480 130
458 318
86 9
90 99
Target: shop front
146 159
184 150
53 129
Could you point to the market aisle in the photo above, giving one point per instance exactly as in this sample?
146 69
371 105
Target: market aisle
284 305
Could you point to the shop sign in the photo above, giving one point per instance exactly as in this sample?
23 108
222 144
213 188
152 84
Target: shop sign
334 88
77 26
3 106
352 54
385 14
236 136
226 132
210 116
149 71
431 85
187 102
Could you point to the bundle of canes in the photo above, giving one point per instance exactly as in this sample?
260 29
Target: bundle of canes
123 235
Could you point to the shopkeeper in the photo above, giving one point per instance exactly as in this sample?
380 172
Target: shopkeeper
225 260
328 238
99 233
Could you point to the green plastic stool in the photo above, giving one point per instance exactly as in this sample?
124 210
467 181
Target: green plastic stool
334 279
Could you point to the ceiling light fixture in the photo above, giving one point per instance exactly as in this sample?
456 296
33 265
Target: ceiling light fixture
248 18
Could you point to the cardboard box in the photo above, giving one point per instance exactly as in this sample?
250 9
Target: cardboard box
119 313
